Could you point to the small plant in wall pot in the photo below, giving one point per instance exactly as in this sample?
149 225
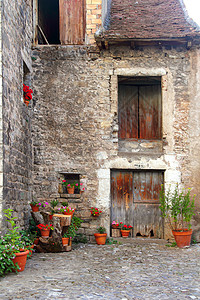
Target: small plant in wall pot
27 94
95 212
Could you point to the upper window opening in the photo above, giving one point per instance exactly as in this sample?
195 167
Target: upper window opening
139 108
61 22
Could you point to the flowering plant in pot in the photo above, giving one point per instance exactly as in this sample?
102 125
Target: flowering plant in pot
72 229
69 211
115 224
34 205
177 208
71 186
27 94
13 252
125 229
95 212
45 229
101 235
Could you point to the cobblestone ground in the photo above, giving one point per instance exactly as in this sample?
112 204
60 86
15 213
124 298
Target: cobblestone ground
136 269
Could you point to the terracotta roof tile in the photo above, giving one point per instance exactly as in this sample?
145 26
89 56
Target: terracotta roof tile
149 19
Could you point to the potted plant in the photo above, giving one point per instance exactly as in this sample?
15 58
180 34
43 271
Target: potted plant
72 229
69 211
177 207
27 94
95 212
35 206
101 236
115 224
71 186
45 229
125 230
28 238
65 239
53 204
13 252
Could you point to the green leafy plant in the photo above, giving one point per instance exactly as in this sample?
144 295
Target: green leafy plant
80 238
101 230
53 204
34 203
177 207
111 241
64 203
74 226
10 243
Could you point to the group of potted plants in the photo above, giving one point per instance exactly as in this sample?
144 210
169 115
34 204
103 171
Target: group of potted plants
71 230
177 208
124 229
15 246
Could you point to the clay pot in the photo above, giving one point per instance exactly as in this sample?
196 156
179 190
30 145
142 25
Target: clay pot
100 238
182 238
115 226
125 233
69 213
70 190
45 233
65 241
36 241
35 208
26 102
20 259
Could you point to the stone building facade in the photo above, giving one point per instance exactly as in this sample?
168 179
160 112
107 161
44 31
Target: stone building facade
77 114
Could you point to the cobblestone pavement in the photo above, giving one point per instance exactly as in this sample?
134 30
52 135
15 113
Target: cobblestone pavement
136 269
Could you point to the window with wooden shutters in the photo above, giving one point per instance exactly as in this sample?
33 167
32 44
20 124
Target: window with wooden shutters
60 21
139 108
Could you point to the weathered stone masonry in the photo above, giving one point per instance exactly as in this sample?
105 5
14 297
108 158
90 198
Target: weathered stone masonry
75 109
17 142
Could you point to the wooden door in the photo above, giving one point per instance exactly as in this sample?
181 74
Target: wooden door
72 21
135 201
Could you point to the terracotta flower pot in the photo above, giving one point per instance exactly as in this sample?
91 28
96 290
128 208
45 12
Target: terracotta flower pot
182 238
125 233
70 190
100 238
26 102
45 233
69 213
35 208
20 259
65 241
36 241
115 226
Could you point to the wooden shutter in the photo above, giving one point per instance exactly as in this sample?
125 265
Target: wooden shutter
128 111
150 112
72 21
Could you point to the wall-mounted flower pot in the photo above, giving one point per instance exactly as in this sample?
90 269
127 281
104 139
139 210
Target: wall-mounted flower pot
182 238
70 190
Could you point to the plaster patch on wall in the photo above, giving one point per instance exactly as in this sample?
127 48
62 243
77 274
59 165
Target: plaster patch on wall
140 72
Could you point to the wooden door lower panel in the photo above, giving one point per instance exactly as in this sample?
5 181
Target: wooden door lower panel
147 220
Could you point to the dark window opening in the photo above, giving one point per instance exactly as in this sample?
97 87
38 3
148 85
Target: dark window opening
139 108
61 22
48 22
71 178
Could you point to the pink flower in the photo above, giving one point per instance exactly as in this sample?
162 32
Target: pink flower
83 189
81 184
39 204
46 203
68 185
76 184
64 181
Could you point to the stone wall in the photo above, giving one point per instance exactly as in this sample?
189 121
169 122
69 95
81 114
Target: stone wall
1 121
17 142
75 120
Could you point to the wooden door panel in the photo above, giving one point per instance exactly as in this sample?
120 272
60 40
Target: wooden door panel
122 196
147 220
